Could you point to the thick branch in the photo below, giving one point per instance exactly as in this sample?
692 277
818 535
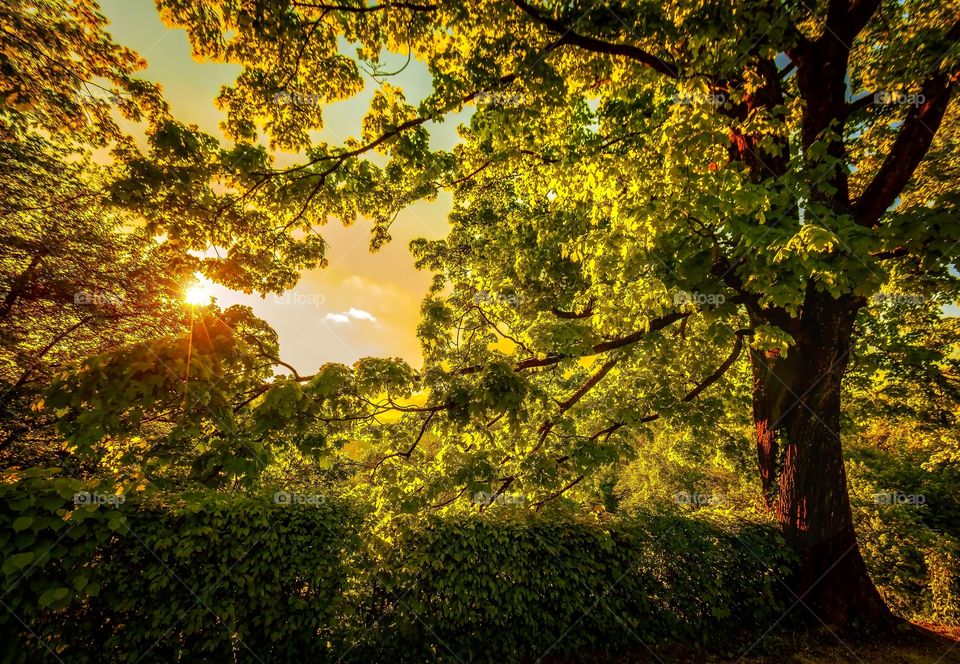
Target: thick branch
700 387
913 141
499 492
365 9
589 384
407 453
555 358
594 45
896 252
722 369
273 358
845 19
655 326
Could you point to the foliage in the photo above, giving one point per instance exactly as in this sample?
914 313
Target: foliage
690 468
210 577
140 409
903 405
79 279
903 488
217 577
511 587
49 546
105 227
658 209
63 74
907 511
640 191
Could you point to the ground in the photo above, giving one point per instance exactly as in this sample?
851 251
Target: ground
912 644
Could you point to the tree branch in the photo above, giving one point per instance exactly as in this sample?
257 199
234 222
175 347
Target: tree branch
896 252
722 369
908 151
700 387
406 454
540 503
545 428
572 315
857 105
913 141
365 9
594 45
589 384
555 358
846 19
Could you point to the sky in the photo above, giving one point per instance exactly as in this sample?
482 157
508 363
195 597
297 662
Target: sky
363 304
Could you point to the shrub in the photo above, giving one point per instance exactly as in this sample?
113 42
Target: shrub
508 588
236 578
915 565
212 577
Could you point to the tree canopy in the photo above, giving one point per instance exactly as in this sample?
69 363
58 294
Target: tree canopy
666 216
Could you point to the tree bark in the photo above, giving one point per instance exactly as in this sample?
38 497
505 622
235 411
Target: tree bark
796 408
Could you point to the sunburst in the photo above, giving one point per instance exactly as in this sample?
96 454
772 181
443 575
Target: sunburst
199 292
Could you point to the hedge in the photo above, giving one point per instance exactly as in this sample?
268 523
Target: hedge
238 578
208 578
494 588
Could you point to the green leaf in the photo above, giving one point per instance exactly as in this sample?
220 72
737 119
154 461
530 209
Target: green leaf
22 523
53 596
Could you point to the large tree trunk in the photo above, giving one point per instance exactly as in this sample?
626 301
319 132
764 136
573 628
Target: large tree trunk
796 407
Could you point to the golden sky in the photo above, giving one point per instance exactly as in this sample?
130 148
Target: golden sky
363 304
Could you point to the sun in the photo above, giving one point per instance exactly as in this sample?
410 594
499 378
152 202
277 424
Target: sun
198 293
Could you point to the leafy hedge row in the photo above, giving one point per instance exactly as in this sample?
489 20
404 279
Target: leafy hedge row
497 589
208 578
218 578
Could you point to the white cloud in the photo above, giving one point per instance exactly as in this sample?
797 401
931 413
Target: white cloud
344 317
360 314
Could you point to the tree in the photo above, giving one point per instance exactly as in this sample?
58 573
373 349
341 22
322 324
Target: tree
637 180
103 230
72 283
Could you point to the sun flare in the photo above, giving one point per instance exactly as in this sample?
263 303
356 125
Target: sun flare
199 292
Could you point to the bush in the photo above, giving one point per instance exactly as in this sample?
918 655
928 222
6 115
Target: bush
208 578
237 578
898 514
509 588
